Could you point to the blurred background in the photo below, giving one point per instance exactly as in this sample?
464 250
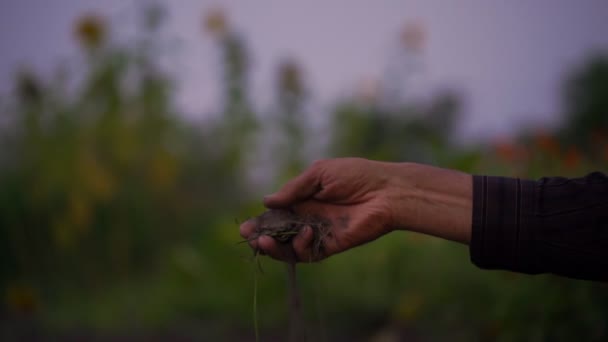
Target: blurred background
136 135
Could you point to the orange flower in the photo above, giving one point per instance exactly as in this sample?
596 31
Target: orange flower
508 151
21 298
572 158
505 151
547 143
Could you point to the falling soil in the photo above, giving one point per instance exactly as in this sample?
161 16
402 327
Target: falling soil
283 226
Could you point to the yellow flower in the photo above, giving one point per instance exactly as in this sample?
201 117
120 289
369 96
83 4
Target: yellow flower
97 178
80 212
69 226
162 171
409 306
215 22
90 31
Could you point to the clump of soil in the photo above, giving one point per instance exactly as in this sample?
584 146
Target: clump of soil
283 225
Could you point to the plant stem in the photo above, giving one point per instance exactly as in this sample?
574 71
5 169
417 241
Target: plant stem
255 301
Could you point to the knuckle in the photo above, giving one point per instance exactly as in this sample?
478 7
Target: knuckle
320 163
291 184
300 250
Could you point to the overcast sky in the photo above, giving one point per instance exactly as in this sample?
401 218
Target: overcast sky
507 57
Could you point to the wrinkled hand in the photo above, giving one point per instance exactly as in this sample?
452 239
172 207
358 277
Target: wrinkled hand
353 194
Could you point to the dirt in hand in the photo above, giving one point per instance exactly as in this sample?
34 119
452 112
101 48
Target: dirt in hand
283 226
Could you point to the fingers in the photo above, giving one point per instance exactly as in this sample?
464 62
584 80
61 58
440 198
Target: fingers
298 251
269 246
266 245
338 218
247 229
278 251
302 244
300 188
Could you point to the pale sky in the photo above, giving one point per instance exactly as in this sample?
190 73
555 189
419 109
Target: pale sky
507 57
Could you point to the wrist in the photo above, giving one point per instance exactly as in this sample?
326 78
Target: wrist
404 195
431 201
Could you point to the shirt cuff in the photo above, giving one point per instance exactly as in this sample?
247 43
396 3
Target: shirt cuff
503 214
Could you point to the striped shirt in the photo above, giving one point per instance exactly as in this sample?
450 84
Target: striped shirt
553 225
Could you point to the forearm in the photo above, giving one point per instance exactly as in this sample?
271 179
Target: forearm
432 201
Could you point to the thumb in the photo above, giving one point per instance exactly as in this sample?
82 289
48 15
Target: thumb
298 189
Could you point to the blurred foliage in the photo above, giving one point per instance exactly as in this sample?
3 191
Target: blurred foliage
117 215
587 104
409 132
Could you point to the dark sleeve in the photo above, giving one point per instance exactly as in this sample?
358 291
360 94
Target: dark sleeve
555 225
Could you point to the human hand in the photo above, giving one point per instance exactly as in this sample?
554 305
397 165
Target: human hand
356 196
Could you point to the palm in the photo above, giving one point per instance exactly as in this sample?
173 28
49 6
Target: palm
351 224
